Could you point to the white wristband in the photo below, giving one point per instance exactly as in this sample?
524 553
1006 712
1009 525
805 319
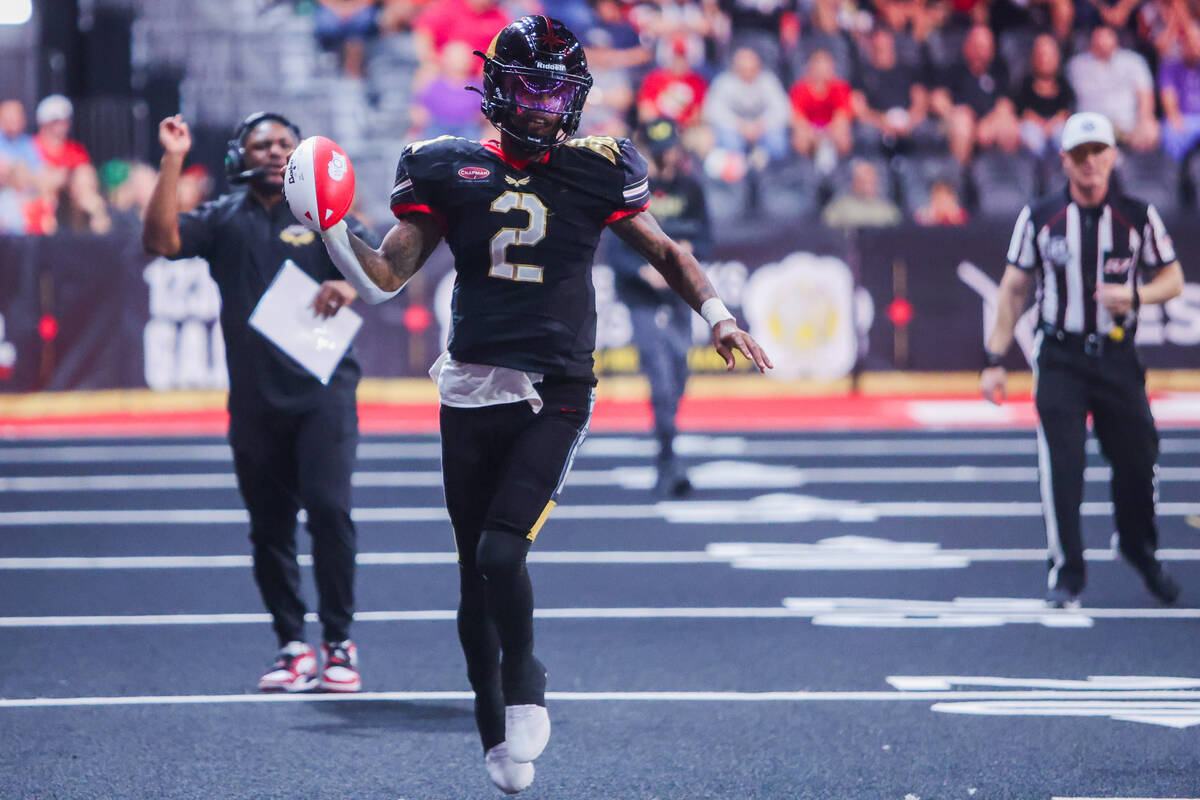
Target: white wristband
337 244
713 310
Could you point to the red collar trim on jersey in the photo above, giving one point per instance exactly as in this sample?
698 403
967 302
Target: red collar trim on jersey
493 146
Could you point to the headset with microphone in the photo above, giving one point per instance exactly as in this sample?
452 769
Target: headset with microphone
235 148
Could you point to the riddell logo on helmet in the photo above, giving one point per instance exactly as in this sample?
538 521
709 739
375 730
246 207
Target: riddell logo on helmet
557 67
474 173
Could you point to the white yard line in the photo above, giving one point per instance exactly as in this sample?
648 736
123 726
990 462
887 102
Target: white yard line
1176 696
599 447
629 477
717 553
799 608
773 511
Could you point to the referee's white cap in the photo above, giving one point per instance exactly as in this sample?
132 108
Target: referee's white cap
1085 127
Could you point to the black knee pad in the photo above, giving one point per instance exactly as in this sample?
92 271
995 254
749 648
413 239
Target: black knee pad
500 553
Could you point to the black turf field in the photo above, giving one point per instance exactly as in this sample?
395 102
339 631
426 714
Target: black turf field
829 616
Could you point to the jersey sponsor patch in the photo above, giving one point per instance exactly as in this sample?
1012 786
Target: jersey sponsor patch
474 173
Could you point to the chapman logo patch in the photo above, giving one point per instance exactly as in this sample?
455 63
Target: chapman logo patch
474 173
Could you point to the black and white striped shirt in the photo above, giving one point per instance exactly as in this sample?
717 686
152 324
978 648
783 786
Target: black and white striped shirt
1073 248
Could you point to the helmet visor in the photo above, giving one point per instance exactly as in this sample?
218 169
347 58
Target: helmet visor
545 93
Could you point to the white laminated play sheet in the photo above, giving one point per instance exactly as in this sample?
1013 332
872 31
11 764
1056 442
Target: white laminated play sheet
284 315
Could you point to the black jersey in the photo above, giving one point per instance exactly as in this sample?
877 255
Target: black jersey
523 237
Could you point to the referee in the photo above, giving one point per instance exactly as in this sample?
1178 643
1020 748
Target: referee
1097 256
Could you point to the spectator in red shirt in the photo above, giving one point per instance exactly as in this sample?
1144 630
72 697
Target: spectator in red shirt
474 22
674 92
42 207
821 108
54 115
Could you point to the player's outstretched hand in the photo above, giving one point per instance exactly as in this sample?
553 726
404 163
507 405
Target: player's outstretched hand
332 297
727 337
174 136
993 385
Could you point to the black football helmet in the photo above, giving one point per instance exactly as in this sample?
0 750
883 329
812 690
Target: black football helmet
535 64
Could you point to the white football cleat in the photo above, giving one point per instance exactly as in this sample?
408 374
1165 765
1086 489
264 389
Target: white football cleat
509 776
526 731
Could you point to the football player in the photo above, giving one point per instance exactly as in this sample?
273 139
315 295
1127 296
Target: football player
522 216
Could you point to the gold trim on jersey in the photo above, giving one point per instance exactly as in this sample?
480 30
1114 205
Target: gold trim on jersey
541 520
605 146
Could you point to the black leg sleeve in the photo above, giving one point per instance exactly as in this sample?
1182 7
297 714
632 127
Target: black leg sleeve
470 474
501 561
481 647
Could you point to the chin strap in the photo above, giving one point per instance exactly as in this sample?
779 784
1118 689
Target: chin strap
337 244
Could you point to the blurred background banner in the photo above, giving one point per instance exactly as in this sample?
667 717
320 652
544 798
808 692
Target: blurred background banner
94 312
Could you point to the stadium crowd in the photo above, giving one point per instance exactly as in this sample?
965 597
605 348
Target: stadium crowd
882 110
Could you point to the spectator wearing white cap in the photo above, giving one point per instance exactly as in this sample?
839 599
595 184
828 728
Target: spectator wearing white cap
54 114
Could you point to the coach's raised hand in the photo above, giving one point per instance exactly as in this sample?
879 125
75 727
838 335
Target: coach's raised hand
174 136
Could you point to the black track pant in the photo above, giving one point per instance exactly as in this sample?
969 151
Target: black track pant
285 462
503 467
1111 385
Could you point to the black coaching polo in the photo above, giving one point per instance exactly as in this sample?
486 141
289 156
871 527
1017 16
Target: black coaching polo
245 245
1072 248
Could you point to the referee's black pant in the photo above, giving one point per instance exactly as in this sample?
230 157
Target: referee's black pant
285 462
503 468
1104 378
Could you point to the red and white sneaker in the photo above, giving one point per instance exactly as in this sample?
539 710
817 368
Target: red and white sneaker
294 670
339 670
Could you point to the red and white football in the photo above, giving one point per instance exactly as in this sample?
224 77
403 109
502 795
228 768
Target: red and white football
319 183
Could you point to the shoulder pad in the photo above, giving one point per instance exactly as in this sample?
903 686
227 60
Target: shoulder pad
436 151
606 147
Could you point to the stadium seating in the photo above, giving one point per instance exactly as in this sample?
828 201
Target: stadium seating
916 175
1002 183
1152 177
789 191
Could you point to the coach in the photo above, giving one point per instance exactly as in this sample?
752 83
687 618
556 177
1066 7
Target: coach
294 439
1097 256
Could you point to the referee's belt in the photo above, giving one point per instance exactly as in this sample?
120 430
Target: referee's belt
1092 344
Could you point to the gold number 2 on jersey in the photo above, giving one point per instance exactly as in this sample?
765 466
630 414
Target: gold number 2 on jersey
531 234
